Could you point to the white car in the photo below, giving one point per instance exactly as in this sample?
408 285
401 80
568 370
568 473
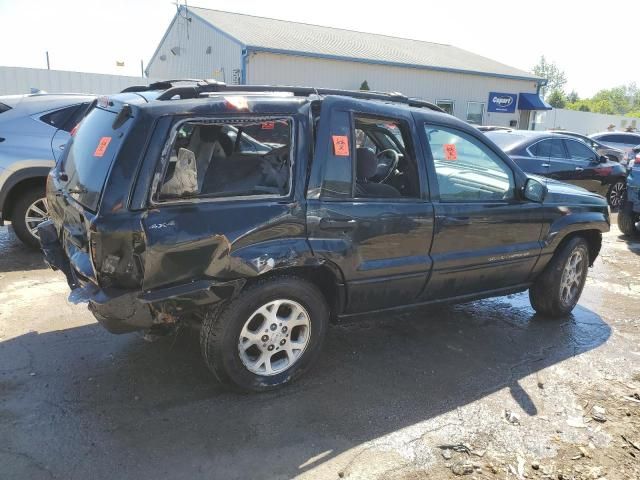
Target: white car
625 141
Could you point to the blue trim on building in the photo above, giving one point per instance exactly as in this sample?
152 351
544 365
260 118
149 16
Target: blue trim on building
387 63
243 72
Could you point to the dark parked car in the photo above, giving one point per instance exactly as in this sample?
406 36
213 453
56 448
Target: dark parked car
566 159
612 153
629 214
361 202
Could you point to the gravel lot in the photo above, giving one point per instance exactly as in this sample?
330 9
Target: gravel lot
484 389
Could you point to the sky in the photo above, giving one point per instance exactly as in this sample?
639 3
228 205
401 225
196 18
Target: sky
593 43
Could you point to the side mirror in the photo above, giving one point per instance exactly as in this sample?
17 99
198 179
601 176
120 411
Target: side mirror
534 190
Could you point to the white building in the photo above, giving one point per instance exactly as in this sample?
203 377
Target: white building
243 49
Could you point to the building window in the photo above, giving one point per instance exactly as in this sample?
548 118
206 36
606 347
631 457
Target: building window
446 105
475 112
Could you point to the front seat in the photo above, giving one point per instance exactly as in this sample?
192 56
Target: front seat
366 168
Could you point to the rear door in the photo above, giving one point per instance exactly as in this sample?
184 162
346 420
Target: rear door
376 231
485 238
225 184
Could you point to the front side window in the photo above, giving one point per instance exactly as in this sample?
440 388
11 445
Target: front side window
234 158
446 105
475 113
466 169
579 151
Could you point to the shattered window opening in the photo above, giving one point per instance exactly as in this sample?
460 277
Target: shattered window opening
229 158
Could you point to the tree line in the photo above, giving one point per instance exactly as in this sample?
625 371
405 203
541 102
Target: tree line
621 100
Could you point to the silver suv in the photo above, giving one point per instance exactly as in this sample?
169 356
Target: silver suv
33 132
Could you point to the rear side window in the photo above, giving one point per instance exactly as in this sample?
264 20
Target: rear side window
89 156
229 158
58 118
4 108
551 148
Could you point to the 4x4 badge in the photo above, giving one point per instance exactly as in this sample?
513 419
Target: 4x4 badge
157 226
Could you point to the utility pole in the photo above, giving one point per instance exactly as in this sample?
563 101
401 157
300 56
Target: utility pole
47 53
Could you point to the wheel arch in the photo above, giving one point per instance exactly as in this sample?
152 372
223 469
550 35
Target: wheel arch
17 183
593 237
327 277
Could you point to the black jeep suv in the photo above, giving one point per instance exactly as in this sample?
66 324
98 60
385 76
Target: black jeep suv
264 212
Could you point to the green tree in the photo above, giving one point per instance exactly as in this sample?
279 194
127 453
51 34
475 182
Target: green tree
364 86
556 78
557 99
573 97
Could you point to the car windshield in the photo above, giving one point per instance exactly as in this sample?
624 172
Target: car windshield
90 155
505 140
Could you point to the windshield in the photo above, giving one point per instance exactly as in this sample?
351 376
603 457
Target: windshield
505 140
90 154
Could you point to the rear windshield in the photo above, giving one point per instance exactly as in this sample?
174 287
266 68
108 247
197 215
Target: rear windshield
504 140
90 155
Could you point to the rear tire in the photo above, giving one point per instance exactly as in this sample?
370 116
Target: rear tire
616 193
243 349
627 219
32 201
557 290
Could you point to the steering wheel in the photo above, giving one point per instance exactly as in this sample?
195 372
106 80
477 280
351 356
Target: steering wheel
387 162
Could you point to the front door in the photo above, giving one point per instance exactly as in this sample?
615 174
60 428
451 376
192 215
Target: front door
371 218
584 166
485 238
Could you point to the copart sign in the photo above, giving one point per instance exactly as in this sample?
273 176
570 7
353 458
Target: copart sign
502 102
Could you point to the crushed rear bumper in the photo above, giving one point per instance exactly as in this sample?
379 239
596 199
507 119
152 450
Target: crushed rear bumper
119 311
122 311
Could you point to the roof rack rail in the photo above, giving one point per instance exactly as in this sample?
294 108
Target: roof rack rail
163 84
208 86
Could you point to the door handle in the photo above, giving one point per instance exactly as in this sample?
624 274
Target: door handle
579 169
333 224
546 165
451 221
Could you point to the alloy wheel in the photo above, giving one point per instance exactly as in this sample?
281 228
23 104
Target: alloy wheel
37 213
616 193
572 277
274 337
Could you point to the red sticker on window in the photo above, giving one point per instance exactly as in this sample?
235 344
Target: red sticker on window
102 146
340 145
268 125
450 152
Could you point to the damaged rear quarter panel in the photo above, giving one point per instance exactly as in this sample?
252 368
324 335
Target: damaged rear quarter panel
224 240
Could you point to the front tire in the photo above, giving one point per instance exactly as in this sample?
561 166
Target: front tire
267 336
557 290
29 211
